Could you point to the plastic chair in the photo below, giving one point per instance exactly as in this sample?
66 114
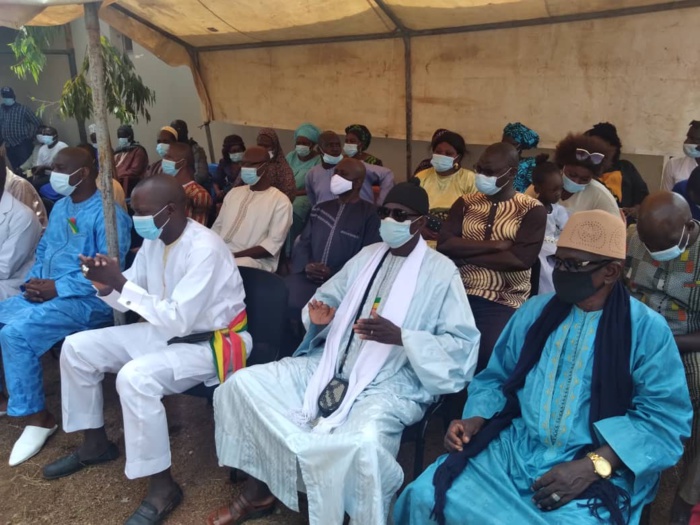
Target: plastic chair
266 298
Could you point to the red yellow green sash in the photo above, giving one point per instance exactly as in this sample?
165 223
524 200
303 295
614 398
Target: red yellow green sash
229 348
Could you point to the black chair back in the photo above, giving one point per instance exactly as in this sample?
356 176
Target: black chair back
266 298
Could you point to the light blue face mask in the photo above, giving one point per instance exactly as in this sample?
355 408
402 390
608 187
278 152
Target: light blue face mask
8 101
442 163
674 252
691 150
162 149
122 142
236 157
488 185
330 159
45 139
250 176
395 233
145 225
169 167
302 151
60 182
573 187
350 149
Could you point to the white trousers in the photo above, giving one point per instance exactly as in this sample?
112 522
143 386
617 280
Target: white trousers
147 369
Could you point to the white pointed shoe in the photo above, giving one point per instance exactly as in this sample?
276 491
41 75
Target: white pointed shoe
30 443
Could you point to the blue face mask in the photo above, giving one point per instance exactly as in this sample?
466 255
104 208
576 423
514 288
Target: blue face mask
330 159
350 149
169 167
45 139
123 142
691 150
236 157
302 151
250 176
442 162
674 252
162 149
60 182
573 187
395 233
145 226
488 185
8 101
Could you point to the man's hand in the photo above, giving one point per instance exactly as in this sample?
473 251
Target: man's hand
103 272
318 273
40 290
631 212
429 235
461 431
566 480
320 313
378 329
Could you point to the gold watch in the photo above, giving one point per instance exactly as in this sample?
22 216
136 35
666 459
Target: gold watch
601 465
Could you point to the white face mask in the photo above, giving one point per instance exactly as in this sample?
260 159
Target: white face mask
340 185
60 182
45 139
123 142
488 185
302 151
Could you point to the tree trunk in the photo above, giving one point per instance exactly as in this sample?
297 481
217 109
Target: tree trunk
104 146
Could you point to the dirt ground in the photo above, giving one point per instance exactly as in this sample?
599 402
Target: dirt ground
103 495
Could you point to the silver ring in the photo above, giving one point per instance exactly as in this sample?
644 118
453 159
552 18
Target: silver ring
85 269
556 497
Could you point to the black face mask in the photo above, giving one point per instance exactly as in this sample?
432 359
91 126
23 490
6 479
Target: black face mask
574 287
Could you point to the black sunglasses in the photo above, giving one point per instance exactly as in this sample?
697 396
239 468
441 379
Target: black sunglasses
396 214
572 265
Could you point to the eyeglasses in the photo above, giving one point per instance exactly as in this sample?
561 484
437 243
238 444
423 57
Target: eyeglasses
396 214
583 155
572 265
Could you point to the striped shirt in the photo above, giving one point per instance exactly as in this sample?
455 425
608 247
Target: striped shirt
521 220
17 124
670 288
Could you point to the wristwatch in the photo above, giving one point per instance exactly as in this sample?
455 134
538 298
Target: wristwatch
601 465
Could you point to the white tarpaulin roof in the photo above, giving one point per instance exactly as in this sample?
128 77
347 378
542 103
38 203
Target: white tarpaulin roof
474 64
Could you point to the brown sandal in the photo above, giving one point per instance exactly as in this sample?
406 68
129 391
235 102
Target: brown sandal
243 511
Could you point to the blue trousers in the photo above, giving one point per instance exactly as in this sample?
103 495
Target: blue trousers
28 330
18 155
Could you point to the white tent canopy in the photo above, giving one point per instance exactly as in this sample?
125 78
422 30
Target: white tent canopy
407 67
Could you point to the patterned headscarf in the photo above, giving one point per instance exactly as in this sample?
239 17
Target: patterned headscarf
309 131
362 133
523 135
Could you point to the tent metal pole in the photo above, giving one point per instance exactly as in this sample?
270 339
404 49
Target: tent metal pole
408 80
210 143
104 148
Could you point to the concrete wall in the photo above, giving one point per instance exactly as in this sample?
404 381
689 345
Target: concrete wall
176 98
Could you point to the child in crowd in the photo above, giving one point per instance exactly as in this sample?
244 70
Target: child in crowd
548 184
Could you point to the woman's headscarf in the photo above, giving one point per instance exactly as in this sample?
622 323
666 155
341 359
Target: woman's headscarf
523 135
453 139
362 133
308 131
281 174
229 141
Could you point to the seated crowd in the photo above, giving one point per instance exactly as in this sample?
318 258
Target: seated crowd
550 305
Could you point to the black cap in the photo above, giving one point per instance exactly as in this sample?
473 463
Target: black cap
7 92
411 195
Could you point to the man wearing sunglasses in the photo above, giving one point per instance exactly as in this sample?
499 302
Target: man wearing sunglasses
581 407
663 271
255 218
386 334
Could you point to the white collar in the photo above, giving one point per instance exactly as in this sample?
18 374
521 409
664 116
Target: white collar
5 203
